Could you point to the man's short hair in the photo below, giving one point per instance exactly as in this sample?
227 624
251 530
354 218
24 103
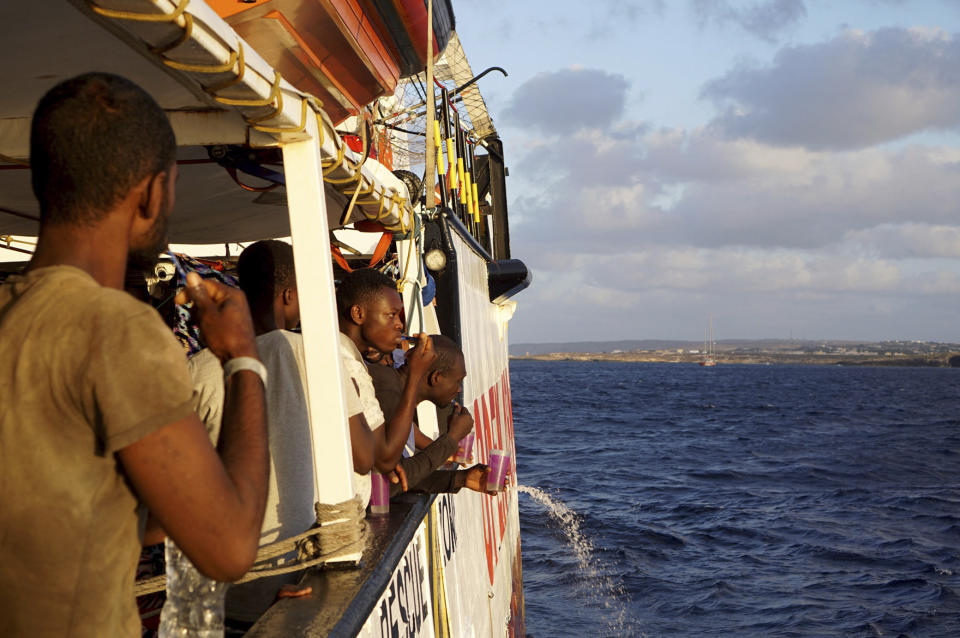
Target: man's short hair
264 269
359 287
448 353
92 138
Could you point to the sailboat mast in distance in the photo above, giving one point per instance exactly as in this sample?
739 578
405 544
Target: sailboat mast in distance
708 360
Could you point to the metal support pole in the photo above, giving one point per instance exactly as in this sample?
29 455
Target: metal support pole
444 119
431 114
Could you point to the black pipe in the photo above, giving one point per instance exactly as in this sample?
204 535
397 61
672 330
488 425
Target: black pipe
18 214
477 77
403 130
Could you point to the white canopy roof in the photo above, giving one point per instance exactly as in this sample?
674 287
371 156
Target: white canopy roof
45 41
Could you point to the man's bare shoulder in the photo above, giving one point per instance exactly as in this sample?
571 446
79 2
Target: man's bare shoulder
68 295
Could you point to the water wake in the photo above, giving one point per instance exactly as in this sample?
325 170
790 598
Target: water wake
605 589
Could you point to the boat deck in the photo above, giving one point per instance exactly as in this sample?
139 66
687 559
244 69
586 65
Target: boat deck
342 599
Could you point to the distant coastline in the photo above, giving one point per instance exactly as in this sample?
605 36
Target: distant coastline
765 359
893 353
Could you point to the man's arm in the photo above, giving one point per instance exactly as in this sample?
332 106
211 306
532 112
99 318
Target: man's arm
361 443
153 532
420 440
441 482
396 429
362 440
211 506
451 481
419 466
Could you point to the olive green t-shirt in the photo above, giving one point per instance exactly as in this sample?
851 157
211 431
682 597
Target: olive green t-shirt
84 371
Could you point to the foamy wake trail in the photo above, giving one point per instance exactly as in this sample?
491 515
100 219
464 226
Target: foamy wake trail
605 590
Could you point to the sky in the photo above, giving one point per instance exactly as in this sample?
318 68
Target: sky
790 167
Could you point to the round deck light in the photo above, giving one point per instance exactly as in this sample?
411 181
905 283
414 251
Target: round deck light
436 260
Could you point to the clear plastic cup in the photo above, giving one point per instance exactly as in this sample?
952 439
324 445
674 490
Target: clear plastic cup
499 461
379 493
465 450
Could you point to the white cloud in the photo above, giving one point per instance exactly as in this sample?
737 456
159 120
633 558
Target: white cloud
795 222
621 15
671 187
744 270
667 294
855 90
939 283
568 100
765 20
908 240
751 230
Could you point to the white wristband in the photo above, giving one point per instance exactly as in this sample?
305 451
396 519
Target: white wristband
244 363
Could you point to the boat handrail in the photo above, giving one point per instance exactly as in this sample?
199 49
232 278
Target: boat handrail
346 615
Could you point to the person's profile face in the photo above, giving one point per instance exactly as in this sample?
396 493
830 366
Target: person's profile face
383 322
449 383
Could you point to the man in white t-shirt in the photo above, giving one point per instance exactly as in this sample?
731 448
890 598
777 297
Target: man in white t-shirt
371 316
267 277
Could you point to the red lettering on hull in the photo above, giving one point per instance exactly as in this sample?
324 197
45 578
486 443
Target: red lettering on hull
495 431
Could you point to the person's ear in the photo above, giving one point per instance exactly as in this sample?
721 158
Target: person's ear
433 378
288 296
152 196
357 314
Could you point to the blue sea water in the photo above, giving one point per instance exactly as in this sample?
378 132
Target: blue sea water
748 501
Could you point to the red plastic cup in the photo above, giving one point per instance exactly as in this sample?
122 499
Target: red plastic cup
379 493
465 450
499 462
